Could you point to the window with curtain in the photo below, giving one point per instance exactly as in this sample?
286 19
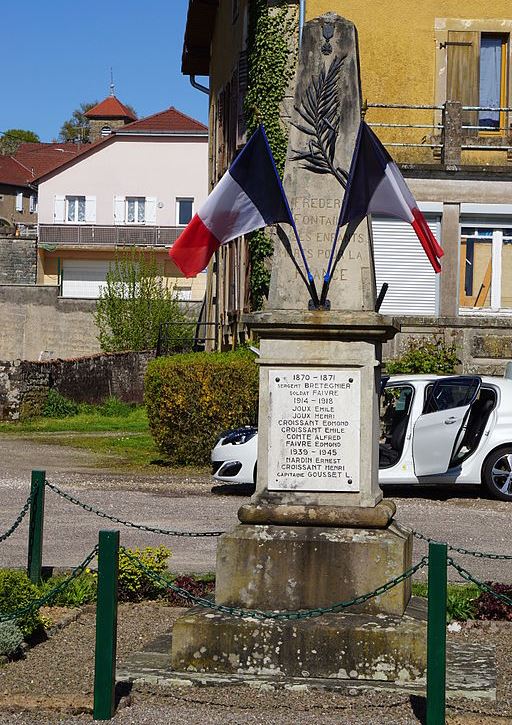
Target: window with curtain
492 80
75 209
135 210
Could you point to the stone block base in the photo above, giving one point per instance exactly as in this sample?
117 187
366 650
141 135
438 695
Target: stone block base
303 567
339 646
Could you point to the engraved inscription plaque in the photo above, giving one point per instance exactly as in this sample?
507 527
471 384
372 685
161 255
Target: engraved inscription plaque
314 432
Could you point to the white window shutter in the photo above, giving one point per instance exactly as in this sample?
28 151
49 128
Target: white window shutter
119 204
150 210
59 209
90 209
19 201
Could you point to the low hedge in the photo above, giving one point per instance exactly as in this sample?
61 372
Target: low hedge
192 398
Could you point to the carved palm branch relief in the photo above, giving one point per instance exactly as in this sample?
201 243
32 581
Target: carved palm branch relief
319 111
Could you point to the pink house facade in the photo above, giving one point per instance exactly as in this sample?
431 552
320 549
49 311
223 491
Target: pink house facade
137 186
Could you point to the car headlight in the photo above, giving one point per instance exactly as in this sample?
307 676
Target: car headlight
239 436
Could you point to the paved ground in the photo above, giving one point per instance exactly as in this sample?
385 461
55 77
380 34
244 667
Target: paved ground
186 502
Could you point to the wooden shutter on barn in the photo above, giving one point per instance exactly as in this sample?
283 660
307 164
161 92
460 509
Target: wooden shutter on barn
463 71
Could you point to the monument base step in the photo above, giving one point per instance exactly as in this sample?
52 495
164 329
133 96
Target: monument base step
378 647
471 673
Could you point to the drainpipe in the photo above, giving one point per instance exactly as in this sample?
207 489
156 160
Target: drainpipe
198 86
302 15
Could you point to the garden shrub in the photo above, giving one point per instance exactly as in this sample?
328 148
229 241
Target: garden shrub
424 357
11 639
488 607
134 584
78 592
17 592
192 398
57 406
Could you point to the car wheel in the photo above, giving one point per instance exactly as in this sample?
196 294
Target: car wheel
497 473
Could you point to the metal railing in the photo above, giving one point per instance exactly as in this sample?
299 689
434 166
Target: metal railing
92 234
448 134
174 337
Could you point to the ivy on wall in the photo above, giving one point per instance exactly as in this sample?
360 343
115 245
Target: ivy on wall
271 61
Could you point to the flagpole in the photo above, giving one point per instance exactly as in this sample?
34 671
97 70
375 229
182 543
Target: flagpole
312 287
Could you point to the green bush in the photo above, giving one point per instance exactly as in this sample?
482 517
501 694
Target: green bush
79 591
192 398
425 357
134 584
11 638
57 406
17 592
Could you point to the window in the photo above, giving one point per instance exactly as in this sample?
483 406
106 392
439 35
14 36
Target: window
106 131
19 201
477 77
75 209
492 82
485 268
184 211
135 209
33 203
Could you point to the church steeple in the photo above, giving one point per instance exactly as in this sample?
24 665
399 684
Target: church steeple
108 115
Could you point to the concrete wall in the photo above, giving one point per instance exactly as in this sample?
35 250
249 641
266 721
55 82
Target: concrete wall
24 385
18 260
34 319
484 345
165 168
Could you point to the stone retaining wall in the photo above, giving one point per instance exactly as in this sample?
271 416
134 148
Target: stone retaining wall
24 384
18 260
484 344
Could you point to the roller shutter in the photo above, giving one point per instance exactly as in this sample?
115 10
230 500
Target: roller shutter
401 262
83 278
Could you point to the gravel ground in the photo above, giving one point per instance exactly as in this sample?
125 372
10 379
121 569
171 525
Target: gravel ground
54 684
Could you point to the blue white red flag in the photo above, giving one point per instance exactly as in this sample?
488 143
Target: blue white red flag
376 186
249 196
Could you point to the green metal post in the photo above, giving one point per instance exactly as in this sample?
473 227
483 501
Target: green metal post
106 626
436 633
35 528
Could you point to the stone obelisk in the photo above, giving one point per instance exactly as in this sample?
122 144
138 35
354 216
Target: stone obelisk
316 531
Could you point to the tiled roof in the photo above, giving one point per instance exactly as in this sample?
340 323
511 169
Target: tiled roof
169 120
33 159
110 107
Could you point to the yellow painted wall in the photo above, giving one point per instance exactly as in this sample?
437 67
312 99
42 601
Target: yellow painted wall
401 61
172 276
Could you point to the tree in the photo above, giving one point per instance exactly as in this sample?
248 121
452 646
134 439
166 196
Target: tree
13 138
77 127
134 303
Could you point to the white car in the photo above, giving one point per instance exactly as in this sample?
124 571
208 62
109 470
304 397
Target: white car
434 429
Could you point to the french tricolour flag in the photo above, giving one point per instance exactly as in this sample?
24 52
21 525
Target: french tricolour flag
248 197
376 186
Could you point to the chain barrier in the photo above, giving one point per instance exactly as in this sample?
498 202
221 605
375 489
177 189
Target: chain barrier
130 524
38 603
259 614
18 521
468 552
465 574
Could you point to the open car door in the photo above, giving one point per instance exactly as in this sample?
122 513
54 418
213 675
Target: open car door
440 427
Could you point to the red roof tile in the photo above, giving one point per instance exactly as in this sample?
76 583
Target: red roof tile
169 120
33 159
110 107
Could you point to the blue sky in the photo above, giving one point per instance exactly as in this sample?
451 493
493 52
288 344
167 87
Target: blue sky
58 54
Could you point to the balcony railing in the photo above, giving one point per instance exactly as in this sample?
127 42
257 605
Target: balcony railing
439 133
92 234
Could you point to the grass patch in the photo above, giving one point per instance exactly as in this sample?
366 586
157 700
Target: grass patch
86 421
461 600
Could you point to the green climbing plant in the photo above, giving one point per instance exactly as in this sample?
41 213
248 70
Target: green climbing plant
271 57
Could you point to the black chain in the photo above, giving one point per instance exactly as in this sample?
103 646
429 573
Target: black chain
461 550
18 521
259 614
130 524
38 603
465 574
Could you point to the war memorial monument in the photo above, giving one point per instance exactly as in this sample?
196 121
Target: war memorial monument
316 532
